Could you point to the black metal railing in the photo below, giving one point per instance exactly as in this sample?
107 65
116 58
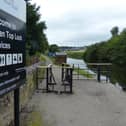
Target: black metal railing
96 71
68 73
50 78
67 78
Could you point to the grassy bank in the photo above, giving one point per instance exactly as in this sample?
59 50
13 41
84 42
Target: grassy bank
34 119
34 59
83 73
79 55
76 54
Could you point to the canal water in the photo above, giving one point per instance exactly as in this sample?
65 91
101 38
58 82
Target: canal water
76 62
82 65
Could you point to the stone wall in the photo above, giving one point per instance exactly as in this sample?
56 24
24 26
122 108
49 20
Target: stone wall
26 91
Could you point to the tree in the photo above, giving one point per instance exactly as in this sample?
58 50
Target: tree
114 51
53 48
36 38
114 31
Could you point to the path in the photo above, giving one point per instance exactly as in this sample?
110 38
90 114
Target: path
92 104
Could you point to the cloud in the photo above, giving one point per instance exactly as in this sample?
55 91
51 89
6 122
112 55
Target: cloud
82 22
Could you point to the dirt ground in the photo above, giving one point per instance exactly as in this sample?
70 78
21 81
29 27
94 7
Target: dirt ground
91 104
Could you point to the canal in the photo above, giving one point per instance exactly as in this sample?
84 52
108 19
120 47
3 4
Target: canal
82 65
78 63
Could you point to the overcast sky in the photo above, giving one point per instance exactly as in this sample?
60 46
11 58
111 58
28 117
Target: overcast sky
81 22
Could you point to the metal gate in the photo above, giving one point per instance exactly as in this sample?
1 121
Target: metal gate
95 71
50 81
59 79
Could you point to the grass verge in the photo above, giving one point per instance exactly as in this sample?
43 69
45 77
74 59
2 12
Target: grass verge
76 54
35 119
83 73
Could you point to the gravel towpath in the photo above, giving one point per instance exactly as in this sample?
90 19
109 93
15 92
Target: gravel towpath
91 104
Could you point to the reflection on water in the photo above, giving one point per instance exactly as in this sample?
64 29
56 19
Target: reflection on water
77 62
82 65
117 77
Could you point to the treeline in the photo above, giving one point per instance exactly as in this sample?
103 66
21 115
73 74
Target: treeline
112 51
35 36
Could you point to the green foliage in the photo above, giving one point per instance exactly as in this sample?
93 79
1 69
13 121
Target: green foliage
53 48
42 58
114 51
114 31
36 38
75 54
34 119
83 73
91 54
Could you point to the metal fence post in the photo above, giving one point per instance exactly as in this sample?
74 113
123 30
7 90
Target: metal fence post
98 73
16 107
37 78
47 77
62 76
71 80
78 72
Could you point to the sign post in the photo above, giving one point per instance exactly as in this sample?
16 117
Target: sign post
12 49
16 107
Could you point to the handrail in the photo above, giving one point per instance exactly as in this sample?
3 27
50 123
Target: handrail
100 64
44 67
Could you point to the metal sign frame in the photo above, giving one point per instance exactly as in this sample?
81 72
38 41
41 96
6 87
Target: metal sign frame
12 49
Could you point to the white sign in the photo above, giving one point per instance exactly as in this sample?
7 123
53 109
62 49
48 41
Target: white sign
17 8
2 60
9 59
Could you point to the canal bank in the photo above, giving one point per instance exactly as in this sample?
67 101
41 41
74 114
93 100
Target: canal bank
91 104
81 66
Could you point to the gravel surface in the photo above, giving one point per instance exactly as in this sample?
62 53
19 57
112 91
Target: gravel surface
91 104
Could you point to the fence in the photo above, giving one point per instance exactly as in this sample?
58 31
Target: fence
96 71
53 78
59 79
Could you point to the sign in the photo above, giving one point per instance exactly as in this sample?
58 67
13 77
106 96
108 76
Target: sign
12 44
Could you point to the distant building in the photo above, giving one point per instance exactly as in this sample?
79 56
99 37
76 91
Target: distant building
67 48
51 54
60 57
